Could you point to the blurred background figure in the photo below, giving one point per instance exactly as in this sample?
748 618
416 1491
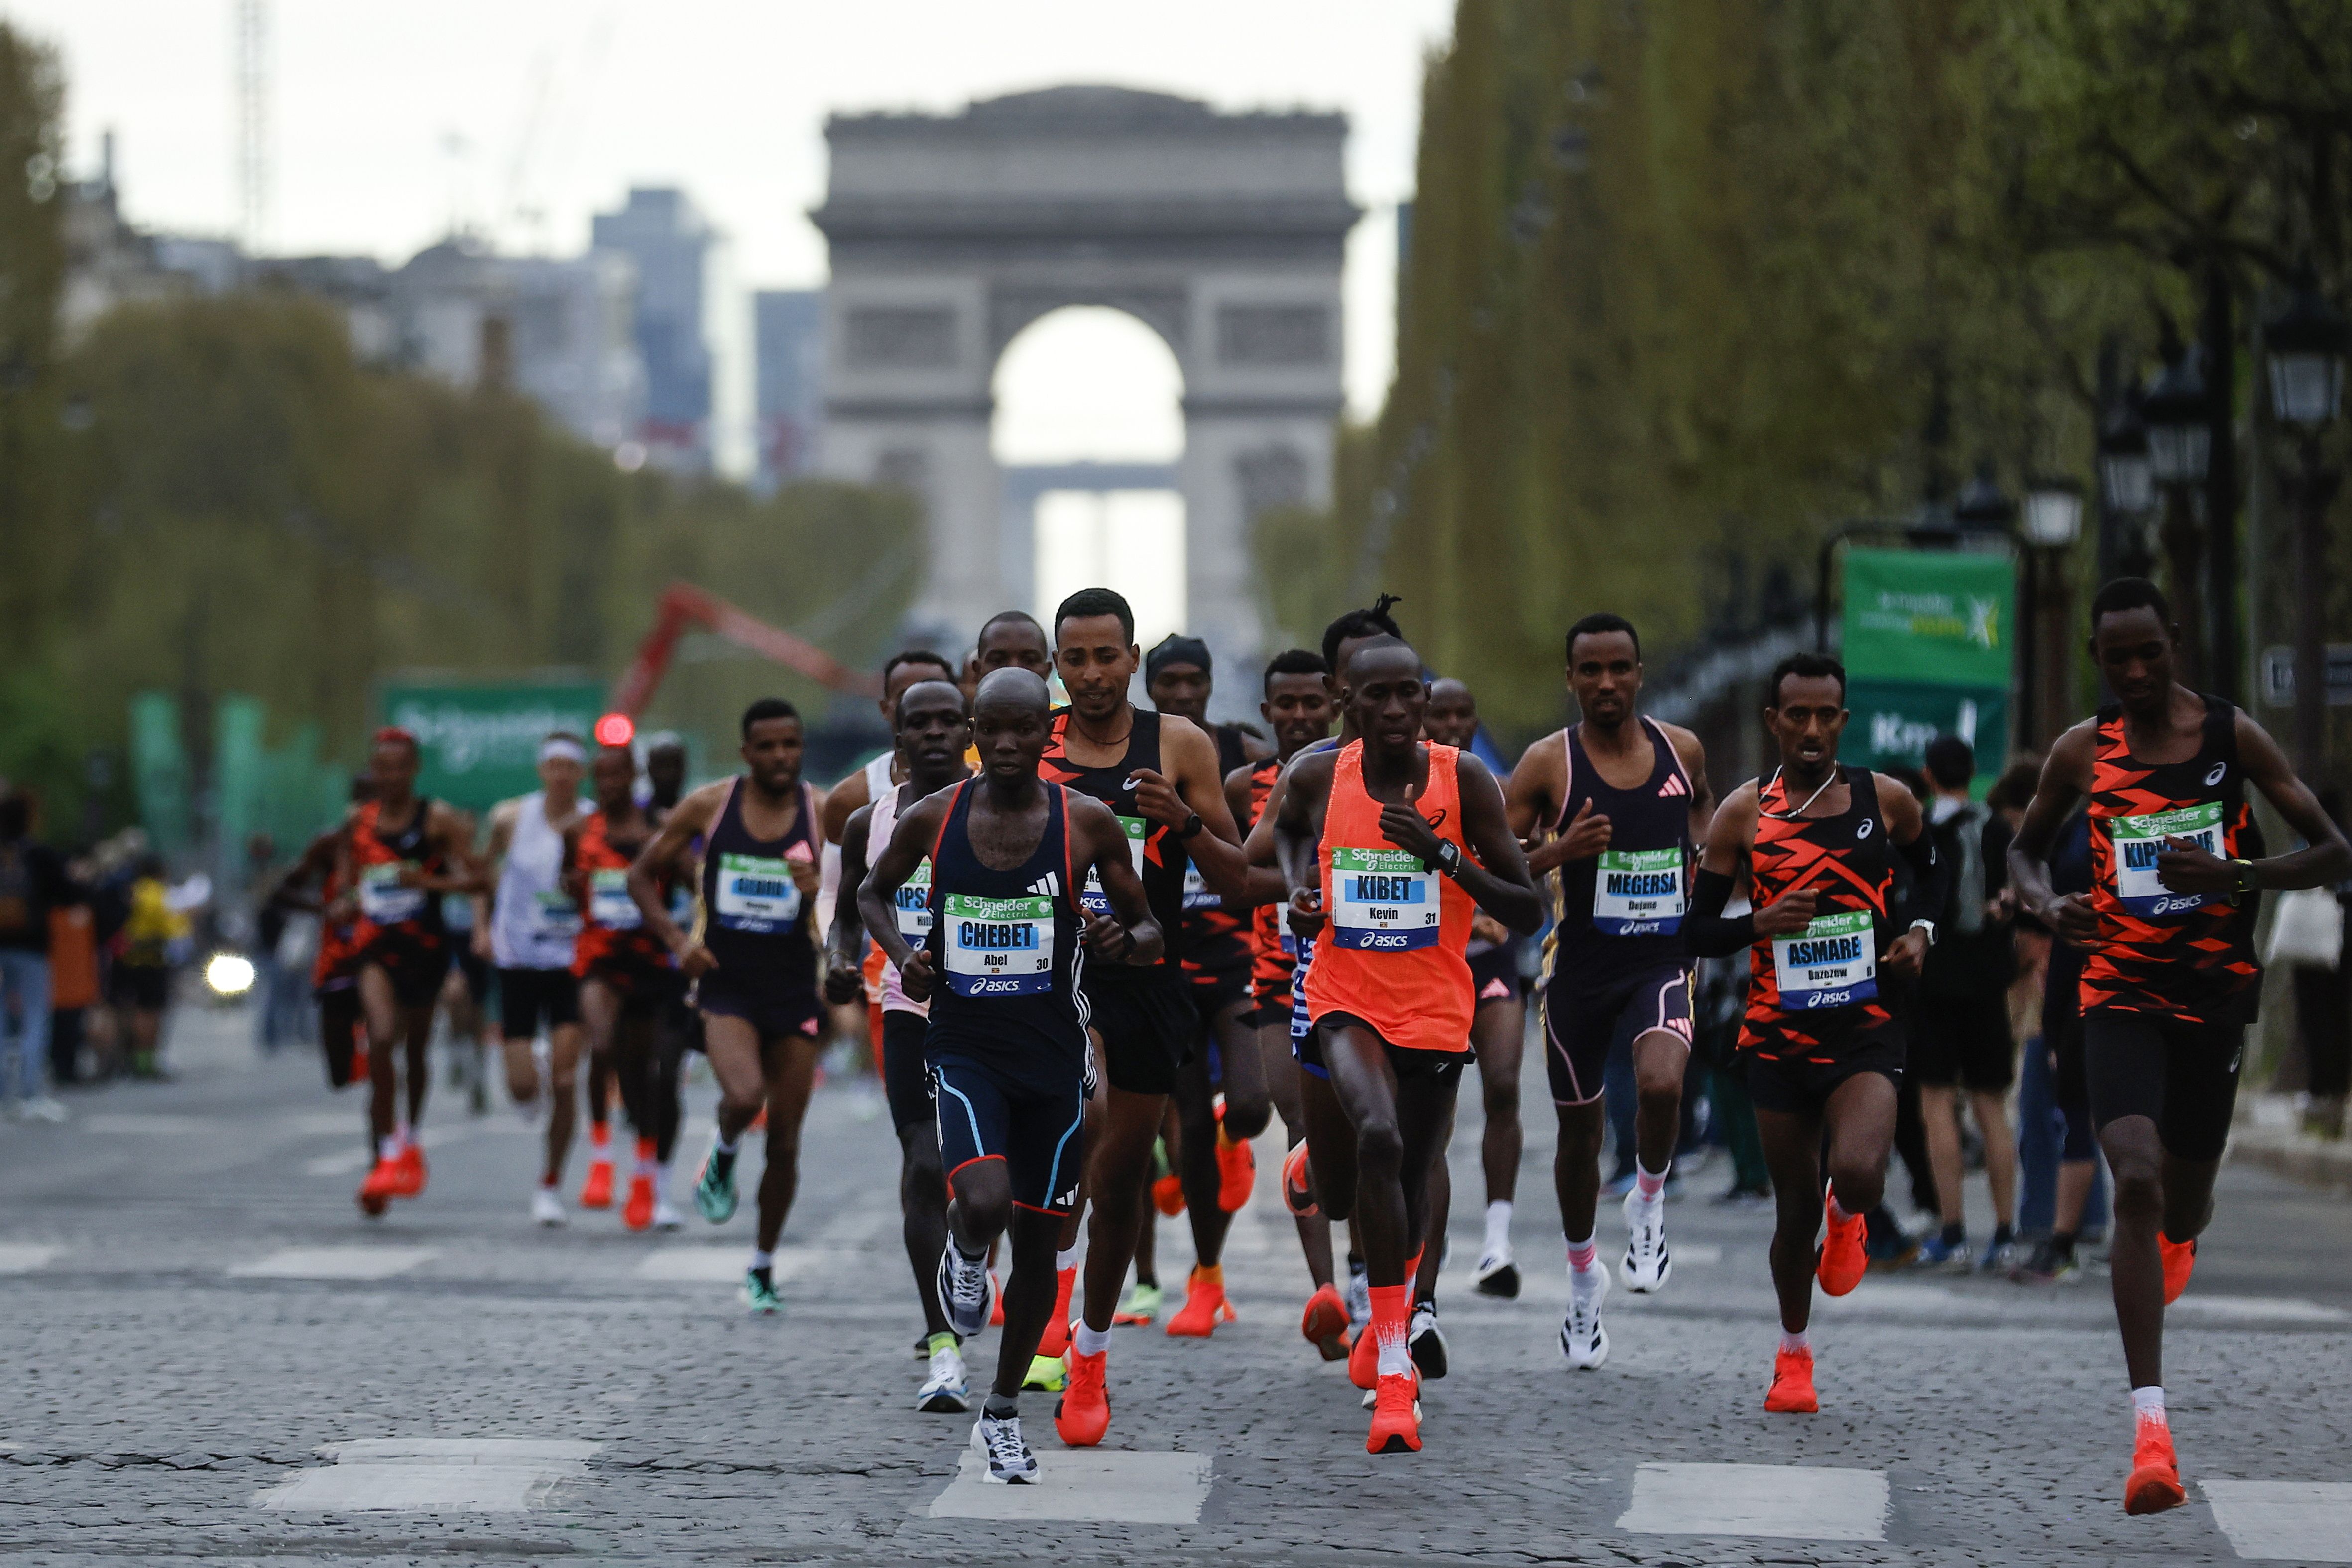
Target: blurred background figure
33 883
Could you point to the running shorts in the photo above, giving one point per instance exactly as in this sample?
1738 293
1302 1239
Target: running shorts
1147 1022
641 986
339 1032
145 987
1214 990
1495 975
1583 1022
474 967
2181 1076
1034 1124
774 1014
1801 1085
1962 1041
906 1082
415 966
529 998
1410 1066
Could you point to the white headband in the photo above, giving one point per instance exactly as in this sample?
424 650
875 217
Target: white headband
557 749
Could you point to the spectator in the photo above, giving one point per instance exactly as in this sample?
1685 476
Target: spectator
154 937
73 987
32 882
1961 1037
2052 1259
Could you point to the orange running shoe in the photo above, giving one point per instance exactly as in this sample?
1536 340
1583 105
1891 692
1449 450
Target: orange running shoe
995 1301
1167 1194
1364 1357
637 1214
2154 1483
1396 1415
409 1164
596 1192
1083 1413
1325 1323
1792 1384
758 1122
1236 1167
2180 1259
1204 1305
1056 1340
1842 1258
382 1182
1298 1182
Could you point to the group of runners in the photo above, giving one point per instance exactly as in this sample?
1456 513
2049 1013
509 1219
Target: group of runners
1099 934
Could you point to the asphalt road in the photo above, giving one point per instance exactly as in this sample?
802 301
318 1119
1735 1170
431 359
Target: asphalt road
209 1355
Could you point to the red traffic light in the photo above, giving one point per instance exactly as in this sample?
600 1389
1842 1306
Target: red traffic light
615 729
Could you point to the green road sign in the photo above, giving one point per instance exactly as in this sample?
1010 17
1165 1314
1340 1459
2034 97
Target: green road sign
1893 721
480 743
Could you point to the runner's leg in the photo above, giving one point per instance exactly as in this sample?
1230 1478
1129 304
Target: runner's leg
562 1099
792 1076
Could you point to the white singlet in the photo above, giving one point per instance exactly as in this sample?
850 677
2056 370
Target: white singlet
533 921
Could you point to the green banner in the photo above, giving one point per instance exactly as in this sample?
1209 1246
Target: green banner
1931 617
481 742
240 784
159 771
1893 721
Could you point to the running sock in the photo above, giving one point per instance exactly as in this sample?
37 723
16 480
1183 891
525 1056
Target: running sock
1210 1274
548 1182
388 1147
1798 1344
2149 1402
1953 1234
999 1408
645 1156
1583 1257
1498 1229
1066 1259
1412 1268
1091 1342
1391 1310
600 1134
763 1261
2061 1243
2004 1234
722 1155
1837 1210
1649 1188
944 1340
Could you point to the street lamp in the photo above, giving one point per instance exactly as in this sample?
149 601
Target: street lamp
2306 346
2054 513
2179 451
2050 524
2126 491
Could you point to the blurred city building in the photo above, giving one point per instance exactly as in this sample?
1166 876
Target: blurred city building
691 332
788 334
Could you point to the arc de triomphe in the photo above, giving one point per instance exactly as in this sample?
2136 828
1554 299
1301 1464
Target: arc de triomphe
1222 232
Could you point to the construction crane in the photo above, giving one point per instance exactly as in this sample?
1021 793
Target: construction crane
683 607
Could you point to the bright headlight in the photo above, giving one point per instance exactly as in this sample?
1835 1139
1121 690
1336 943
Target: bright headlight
229 973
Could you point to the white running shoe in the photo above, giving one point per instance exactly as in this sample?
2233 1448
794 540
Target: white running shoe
948 1389
45 1108
1496 1275
1583 1338
963 1290
1360 1297
1425 1342
665 1217
1009 1462
1646 1266
546 1207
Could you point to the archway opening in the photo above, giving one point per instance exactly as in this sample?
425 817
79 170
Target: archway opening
1090 428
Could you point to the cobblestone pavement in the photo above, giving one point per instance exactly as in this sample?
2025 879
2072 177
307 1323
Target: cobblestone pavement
211 1356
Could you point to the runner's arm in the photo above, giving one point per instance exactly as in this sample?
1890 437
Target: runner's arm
2054 797
1265 885
2324 859
841 802
1729 834
910 840
1530 797
849 939
1931 873
1191 786
1296 834
690 817
1692 756
1495 874
1099 834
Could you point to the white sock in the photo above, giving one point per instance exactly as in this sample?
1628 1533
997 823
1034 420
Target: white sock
763 1260
527 1111
1091 1342
2149 1402
1498 1229
727 1145
1396 1358
1067 1258
1649 1186
548 1182
1584 1257
1798 1344
388 1147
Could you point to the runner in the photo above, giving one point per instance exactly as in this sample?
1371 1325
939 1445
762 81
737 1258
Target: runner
1622 799
1216 1168
665 773
753 961
1158 774
931 732
1497 1040
2169 980
1010 639
399 852
1824 1051
1297 708
626 978
1366 833
863 787
335 971
465 994
532 927
1006 1045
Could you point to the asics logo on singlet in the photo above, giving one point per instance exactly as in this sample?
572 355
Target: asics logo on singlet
1128 784
1863 830
2214 777
1672 788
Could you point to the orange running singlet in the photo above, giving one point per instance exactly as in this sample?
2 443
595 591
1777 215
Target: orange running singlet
1393 952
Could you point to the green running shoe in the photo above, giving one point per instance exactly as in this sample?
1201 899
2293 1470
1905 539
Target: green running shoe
1047 1373
760 1293
714 1190
1140 1305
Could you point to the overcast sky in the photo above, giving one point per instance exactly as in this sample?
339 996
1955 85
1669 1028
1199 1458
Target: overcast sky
521 118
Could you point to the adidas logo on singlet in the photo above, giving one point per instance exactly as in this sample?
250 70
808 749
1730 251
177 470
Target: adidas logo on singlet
1672 787
1049 886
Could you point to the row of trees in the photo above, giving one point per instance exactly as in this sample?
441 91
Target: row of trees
1689 282
208 496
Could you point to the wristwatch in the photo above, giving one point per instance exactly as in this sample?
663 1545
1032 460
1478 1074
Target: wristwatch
1449 857
1928 927
2246 882
1191 829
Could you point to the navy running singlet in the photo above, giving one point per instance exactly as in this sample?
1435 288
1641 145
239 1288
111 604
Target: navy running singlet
1005 946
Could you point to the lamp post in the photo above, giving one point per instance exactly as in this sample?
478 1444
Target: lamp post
2126 492
2051 522
2179 450
2305 346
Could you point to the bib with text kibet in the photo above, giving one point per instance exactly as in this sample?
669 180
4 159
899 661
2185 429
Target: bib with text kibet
1382 901
1831 963
1639 893
2139 839
999 946
1091 898
757 894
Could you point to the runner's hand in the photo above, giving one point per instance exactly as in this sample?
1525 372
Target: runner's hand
1485 928
1587 835
843 983
2186 866
1157 799
1787 915
1306 912
1111 942
1903 959
696 961
808 875
2072 917
915 976
1404 825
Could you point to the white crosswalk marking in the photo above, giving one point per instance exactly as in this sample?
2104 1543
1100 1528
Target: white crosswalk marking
2303 1521
1792 1502
483 1475
2280 1309
1099 1484
332 1263
23 1257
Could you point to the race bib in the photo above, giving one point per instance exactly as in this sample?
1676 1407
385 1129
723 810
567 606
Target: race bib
553 916
1639 893
999 946
2139 839
757 894
1831 963
381 898
912 903
1382 900
609 903
1091 898
1197 892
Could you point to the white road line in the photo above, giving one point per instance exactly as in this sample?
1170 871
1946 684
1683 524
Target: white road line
2307 1521
150 1123
332 1263
25 1257
481 1475
2280 1309
1100 1484
695 1263
1790 1501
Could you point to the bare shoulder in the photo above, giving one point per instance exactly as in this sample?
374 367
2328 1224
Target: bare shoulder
2255 744
2072 753
1182 735
1739 807
700 809
1541 759
1896 801
1469 767
1686 745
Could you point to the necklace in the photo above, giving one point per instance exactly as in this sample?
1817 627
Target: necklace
1791 816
